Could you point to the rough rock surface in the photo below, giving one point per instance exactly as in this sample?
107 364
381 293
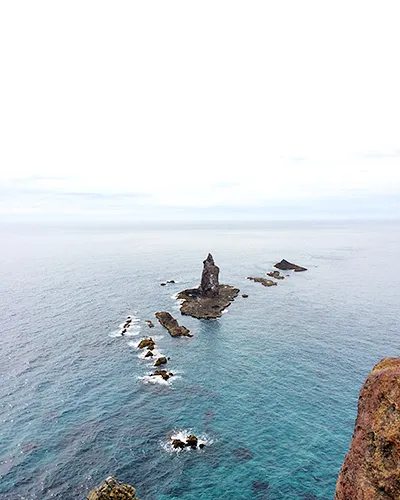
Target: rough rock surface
170 323
161 361
276 274
371 469
111 489
284 265
263 281
147 343
209 286
162 373
150 323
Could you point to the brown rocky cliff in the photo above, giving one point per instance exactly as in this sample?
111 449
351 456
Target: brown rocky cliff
371 470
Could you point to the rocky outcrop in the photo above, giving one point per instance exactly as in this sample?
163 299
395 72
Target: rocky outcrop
161 361
263 281
171 324
209 286
147 344
284 265
150 324
162 373
210 298
111 489
371 469
244 295
191 442
148 354
276 274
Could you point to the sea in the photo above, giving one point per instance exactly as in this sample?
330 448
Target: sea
271 387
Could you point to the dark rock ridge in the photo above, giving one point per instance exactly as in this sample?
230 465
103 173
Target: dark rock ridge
263 281
244 295
371 469
276 274
284 265
170 323
210 298
111 489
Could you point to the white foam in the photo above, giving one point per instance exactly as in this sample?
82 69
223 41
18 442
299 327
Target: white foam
182 435
157 379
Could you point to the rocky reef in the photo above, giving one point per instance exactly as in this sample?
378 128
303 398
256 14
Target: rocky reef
191 442
276 274
111 489
263 281
162 373
371 469
147 343
170 323
285 265
210 298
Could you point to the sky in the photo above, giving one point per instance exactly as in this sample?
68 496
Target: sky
157 110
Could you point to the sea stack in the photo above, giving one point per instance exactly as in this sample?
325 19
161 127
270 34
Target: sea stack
371 469
209 299
210 278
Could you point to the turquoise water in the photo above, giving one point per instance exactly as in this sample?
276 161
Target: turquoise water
272 386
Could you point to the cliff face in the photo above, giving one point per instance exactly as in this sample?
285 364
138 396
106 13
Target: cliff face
371 470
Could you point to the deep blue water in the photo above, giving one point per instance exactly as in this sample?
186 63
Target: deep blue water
272 385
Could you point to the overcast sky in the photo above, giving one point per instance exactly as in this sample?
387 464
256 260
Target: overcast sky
187 109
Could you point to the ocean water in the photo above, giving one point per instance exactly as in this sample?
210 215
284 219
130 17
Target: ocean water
271 387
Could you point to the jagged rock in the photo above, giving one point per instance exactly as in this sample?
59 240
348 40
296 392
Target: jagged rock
210 298
284 265
147 343
111 489
149 354
192 441
170 323
177 443
244 295
263 281
161 361
171 281
163 373
371 469
150 323
276 274
209 286
201 446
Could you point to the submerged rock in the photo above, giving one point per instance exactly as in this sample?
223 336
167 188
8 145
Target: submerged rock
163 284
276 274
147 343
263 281
171 324
111 489
371 469
244 295
171 281
284 265
161 361
177 443
242 453
150 324
209 299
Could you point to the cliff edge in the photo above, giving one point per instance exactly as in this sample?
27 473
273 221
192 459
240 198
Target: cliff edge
371 469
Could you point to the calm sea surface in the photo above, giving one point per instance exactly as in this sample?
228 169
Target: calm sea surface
271 386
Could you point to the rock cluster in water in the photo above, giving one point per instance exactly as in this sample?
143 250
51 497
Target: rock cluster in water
276 274
209 299
284 265
111 489
170 323
371 469
263 281
190 442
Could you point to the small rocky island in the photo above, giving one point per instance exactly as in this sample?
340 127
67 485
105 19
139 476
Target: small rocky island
171 324
209 299
112 489
263 281
285 265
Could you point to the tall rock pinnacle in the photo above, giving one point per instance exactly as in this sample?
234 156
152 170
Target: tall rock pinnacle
209 278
